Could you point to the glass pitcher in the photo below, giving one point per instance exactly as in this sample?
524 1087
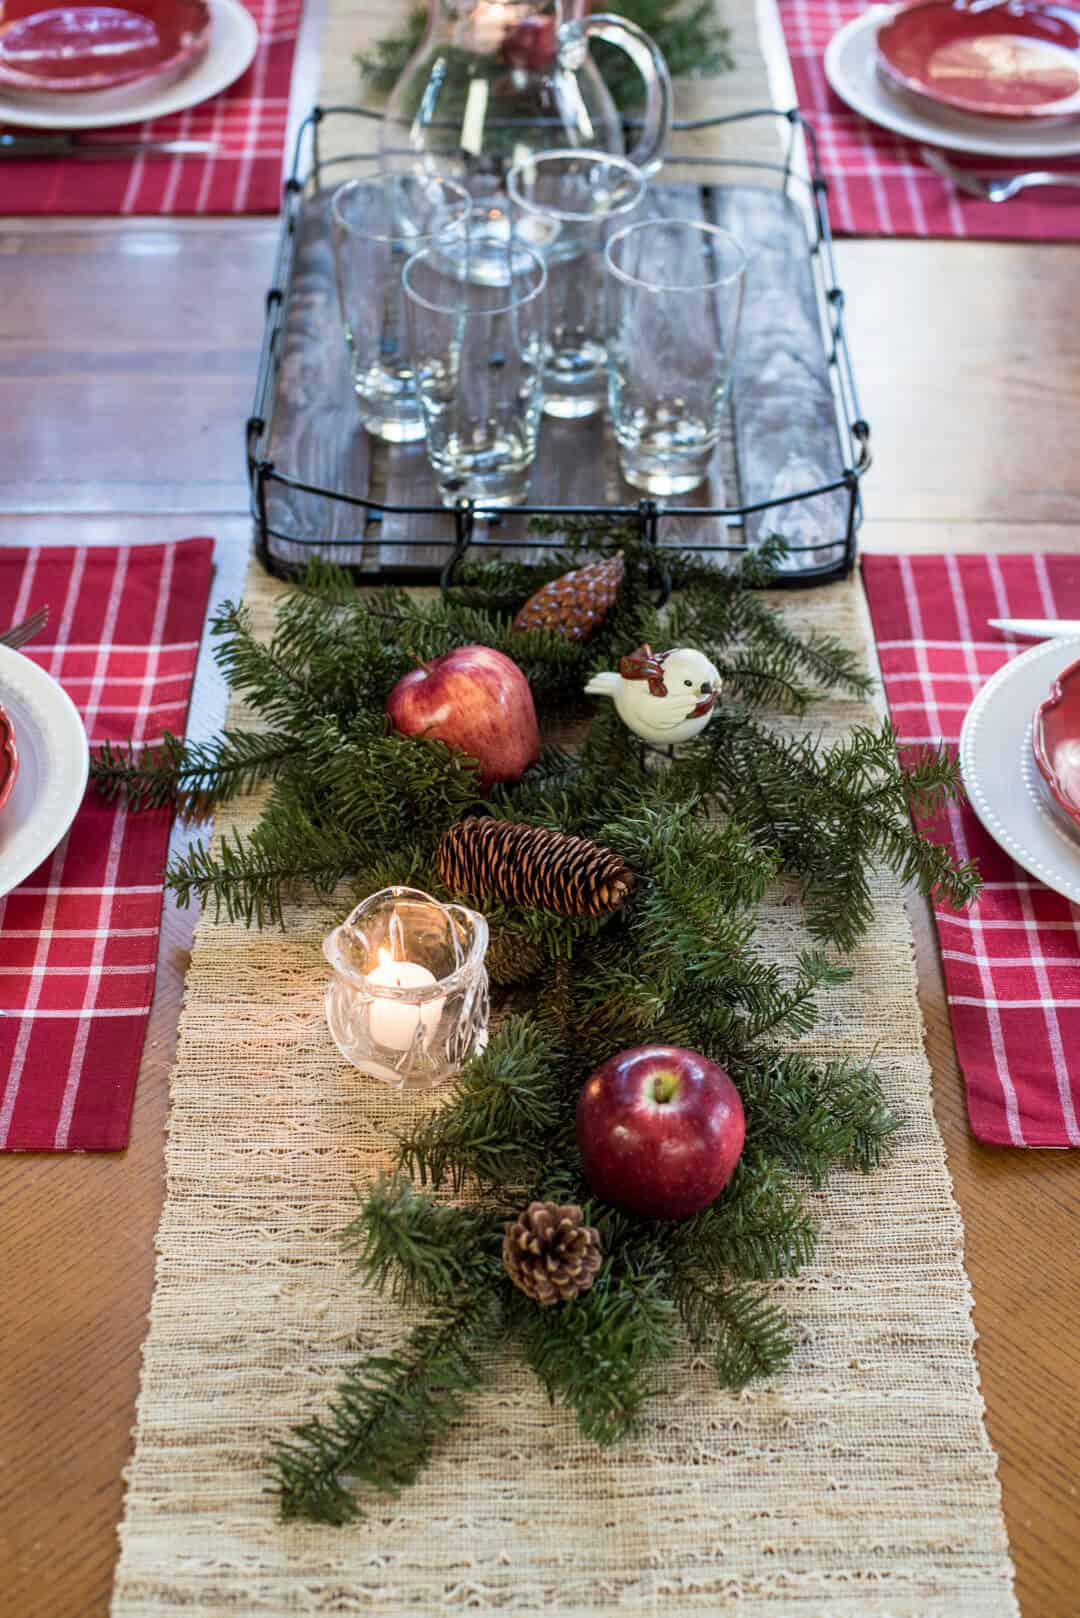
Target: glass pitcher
494 80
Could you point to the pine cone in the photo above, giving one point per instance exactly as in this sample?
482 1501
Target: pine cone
550 1254
576 604
529 865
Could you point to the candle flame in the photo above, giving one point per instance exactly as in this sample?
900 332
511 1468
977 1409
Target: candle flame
385 957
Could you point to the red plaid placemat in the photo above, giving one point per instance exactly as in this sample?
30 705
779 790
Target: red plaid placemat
1012 961
78 939
878 186
246 124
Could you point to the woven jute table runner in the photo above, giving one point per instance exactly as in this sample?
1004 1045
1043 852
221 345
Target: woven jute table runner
859 1484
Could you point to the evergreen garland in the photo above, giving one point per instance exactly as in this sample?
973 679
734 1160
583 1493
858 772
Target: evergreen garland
690 38
705 831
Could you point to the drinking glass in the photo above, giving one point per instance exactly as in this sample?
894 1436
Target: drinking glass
563 204
376 223
675 292
476 313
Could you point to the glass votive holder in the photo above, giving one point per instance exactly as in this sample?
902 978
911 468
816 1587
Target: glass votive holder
409 1000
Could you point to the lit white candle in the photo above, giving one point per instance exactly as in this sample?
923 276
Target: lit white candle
393 1023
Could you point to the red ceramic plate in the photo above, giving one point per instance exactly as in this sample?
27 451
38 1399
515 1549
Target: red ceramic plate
9 757
1010 60
46 47
1055 739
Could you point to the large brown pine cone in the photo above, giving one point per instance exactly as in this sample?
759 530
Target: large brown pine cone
530 865
550 1254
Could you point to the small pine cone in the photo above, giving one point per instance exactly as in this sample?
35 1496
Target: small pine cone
576 604
531 866
550 1254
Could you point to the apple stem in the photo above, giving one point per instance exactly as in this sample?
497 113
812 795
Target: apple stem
664 1087
418 660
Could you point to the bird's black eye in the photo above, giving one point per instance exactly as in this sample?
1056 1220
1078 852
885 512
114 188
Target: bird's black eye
688 682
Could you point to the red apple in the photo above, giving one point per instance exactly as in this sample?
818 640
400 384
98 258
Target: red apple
531 45
660 1130
475 700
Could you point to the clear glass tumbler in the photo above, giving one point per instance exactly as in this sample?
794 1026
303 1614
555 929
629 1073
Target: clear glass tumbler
564 204
674 297
376 223
476 311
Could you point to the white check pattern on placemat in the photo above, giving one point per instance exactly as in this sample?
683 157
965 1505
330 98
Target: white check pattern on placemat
78 938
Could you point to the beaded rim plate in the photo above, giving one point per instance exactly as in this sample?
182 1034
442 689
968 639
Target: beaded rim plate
54 760
997 763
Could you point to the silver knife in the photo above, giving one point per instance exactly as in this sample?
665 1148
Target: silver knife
1037 628
49 145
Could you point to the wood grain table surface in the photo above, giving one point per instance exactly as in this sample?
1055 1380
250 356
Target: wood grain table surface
127 356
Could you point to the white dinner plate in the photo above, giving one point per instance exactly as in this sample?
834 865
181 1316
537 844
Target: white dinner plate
851 69
1002 779
233 39
54 761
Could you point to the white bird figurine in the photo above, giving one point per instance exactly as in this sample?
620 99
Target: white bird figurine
664 697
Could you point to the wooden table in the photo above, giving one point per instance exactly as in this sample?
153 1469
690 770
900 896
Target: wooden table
127 354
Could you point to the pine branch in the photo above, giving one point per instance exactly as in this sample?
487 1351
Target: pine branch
816 1118
932 777
747 1335
824 659
757 680
756 1229
727 610
275 690
421 1252
596 1354
250 880
327 583
389 1413
832 814
794 1009
191 776
498 1116
346 770
382 65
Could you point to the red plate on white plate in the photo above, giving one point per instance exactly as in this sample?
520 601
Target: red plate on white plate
9 758
1055 740
49 47
1011 60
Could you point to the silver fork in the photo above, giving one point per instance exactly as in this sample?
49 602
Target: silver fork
992 187
19 634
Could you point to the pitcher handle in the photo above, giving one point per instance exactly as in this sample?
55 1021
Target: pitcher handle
648 154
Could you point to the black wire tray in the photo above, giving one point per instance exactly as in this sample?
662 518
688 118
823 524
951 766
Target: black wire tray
795 446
